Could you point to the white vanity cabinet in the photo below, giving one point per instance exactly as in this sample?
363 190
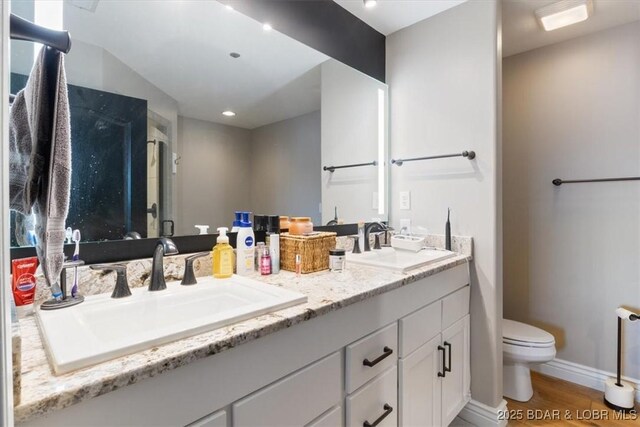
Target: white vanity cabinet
375 362
434 368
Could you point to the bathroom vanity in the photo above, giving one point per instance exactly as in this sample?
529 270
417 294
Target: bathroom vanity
369 345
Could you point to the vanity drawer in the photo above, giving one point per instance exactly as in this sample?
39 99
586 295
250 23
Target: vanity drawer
419 327
374 400
371 355
217 419
332 418
296 399
455 307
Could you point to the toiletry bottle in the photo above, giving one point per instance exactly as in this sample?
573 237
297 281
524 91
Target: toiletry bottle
258 255
222 255
245 247
265 262
273 243
236 222
361 235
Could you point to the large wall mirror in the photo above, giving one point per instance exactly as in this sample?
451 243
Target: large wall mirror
183 112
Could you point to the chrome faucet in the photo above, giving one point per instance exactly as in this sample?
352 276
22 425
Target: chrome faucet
164 247
367 231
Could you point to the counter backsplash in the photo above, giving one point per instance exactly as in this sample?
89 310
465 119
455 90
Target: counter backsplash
92 282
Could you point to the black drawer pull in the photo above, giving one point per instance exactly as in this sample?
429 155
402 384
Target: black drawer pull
387 353
448 368
387 410
444 364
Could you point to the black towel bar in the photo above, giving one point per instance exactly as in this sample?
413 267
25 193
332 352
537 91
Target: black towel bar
468 154
21 29
558 182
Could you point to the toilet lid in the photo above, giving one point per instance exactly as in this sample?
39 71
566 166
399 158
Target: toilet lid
513 331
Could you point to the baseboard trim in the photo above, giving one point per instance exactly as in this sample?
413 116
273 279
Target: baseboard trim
581 374
482 415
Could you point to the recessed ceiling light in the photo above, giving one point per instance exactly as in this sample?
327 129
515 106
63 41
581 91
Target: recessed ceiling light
229 7
563 13
228 113
267 27
370 3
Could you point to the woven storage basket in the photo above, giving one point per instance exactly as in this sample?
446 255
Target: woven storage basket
314 251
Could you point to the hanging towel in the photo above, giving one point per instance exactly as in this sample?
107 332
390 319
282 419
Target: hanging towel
40 157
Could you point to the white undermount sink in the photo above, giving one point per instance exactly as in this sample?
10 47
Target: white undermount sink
399 260
103 328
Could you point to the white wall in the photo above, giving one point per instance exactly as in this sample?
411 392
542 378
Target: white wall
349 135
215 178
442 74
572 110
285 160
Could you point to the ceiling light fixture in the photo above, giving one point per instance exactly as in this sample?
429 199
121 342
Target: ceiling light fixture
563 13
267 27
370 3
228 113
229 7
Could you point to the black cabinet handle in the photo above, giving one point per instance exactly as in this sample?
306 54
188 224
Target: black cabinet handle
374 362
444 364
387 410
448 368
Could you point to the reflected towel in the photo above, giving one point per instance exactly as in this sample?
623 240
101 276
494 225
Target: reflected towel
40 157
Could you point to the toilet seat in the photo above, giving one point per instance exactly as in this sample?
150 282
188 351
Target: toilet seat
520 334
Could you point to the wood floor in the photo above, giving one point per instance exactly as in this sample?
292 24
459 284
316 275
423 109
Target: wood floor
560 403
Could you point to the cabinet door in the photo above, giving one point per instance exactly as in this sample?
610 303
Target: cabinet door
456 383
420 386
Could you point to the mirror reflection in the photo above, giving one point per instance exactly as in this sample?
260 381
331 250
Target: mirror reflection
183 112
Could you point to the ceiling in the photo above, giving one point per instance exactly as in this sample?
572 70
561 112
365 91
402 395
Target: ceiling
183 49
389 16
522 32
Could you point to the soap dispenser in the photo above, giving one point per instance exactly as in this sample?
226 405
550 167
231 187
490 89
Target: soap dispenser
222 255
245 247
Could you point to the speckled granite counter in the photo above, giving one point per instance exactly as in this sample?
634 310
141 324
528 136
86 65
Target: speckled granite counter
42 392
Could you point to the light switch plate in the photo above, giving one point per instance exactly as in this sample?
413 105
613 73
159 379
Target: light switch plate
405 200
374 200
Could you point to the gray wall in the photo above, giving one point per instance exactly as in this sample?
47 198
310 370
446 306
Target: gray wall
443 75
285 167
214 174
572 110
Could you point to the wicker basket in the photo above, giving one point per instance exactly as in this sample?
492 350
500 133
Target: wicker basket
314 251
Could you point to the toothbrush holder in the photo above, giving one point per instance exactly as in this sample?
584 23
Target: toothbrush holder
67 300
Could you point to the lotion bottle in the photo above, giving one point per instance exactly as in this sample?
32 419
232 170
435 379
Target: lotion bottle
222 255
245 242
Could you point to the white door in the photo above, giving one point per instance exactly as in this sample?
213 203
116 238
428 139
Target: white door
420 386
456 383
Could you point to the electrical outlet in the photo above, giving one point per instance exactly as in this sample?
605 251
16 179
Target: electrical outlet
374 200
405 226
405 200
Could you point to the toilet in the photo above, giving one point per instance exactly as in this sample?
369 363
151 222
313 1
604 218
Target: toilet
522 346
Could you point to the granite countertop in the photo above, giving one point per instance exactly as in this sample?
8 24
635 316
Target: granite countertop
42 392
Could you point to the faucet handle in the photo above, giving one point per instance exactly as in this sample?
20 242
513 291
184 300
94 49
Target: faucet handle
356 244
121 289
376 244
189 277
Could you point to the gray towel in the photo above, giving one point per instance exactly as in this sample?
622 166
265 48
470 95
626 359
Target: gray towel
40 157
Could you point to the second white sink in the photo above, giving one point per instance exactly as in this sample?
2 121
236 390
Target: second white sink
102 328
399 260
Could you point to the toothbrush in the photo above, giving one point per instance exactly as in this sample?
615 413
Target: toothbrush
68 235
76 257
